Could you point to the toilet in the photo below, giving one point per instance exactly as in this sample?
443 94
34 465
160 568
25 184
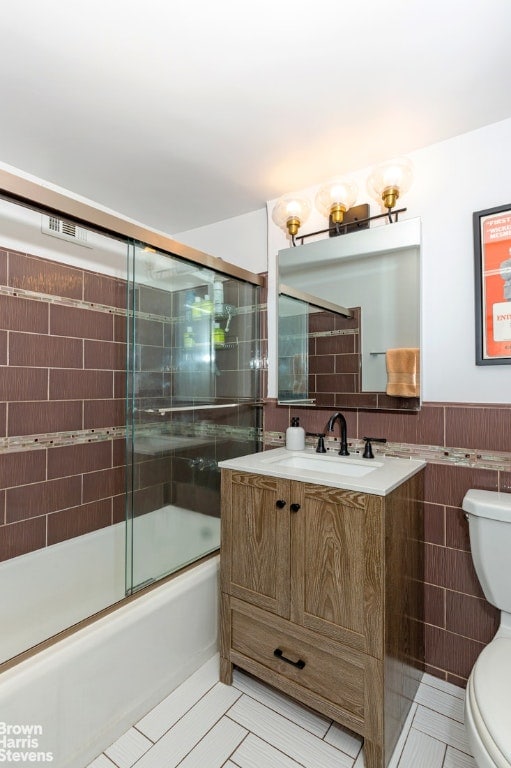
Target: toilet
488 696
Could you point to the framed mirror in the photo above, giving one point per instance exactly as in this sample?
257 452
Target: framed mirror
349 320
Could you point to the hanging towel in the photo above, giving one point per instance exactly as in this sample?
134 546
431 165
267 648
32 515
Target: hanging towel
403 372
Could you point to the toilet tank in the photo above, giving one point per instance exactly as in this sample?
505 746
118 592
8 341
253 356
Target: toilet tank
489 522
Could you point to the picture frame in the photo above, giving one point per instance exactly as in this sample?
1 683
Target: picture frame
492 261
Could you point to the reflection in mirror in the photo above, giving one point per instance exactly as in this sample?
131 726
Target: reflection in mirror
370 359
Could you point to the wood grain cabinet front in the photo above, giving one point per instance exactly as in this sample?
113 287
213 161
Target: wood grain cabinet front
312 604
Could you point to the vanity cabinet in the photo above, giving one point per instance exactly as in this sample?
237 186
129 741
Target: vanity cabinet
321 598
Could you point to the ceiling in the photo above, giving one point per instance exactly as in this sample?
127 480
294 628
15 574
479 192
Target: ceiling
180 113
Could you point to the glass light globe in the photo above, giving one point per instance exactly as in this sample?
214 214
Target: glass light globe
336 197
390 180
290 213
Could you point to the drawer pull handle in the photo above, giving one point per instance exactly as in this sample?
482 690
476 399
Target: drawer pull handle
280 655
280 503
294 507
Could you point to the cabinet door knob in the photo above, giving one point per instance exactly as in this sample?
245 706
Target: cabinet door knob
294 507
299 664
280 503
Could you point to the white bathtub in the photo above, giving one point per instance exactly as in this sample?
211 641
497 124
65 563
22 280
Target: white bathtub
83 692
49 590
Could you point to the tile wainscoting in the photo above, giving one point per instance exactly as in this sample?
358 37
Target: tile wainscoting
62 411
465 446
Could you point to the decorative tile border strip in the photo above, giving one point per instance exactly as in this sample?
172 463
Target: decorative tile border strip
59 439
6 290
152 429
432 453
322 334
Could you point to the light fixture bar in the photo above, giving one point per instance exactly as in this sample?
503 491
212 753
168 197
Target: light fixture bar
341 229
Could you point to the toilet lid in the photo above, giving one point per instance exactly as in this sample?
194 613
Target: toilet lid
491 677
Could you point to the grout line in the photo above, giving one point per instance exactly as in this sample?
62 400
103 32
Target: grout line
144 734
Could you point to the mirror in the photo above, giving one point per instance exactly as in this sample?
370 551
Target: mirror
349 320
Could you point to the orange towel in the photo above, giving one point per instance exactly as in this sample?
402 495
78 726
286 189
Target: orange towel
403 372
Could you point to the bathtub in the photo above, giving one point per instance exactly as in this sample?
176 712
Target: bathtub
73 699
51 589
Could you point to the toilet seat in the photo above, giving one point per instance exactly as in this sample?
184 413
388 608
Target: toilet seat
489 700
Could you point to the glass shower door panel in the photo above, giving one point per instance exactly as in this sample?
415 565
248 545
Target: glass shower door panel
193 349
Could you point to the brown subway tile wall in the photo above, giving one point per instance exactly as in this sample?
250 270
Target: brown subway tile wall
44 417
101 289
20 538
29 315
37 499
58 365
38 350
458 620
41 276
75 522
80 323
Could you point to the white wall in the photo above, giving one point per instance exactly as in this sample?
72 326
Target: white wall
453 179
240 240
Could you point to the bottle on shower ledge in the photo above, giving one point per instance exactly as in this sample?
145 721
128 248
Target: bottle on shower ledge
295 435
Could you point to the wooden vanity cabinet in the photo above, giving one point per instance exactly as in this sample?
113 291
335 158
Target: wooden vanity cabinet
321 598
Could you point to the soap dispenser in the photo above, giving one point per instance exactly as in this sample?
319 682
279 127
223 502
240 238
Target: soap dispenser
295 436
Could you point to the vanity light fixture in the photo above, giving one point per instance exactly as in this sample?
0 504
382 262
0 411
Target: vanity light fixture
386 183
390 180
335 198
290 213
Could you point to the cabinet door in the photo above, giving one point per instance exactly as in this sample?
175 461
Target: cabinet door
255 540
337 564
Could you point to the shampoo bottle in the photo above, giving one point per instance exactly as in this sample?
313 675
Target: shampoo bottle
295 436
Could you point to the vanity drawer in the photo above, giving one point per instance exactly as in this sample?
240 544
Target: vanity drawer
317 664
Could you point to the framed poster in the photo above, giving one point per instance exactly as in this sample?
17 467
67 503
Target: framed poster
492 251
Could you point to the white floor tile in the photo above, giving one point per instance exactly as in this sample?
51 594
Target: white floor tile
442 685
216 746
306 718
250 725
256 753
101 762
171 709
186 733
340 738
456 759
287 737
440 727
422 751
440 701
127 750
400 744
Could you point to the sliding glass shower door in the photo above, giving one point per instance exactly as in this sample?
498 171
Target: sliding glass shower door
193 389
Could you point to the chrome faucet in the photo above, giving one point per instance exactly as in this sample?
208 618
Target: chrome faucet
344 439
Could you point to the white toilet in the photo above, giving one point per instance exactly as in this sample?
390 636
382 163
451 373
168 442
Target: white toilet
488 696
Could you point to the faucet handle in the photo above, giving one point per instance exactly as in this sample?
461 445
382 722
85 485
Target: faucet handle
320 448
368 450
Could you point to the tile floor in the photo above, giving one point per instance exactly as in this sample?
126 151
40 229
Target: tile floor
205 724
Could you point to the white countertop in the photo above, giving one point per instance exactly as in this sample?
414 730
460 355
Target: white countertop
379 476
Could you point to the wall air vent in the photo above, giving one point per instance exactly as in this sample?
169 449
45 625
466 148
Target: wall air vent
64 230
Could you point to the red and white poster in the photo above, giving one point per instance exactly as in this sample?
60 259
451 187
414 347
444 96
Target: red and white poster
496 285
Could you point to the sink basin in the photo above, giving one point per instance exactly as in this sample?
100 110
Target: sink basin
341 465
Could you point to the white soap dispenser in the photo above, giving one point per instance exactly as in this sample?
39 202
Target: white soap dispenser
295 436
